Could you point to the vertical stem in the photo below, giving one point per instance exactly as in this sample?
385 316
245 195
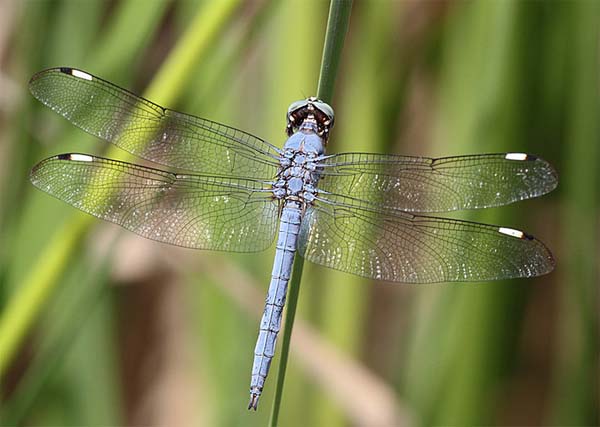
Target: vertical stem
337 26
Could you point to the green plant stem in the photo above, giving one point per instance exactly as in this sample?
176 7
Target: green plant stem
41 282
337 26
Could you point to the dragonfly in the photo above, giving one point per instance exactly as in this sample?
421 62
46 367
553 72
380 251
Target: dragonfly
218 188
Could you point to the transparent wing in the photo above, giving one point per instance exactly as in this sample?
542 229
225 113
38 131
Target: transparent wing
194 211
421 184
400 247
149 131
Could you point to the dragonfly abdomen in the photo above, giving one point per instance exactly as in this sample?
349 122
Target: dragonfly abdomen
270 323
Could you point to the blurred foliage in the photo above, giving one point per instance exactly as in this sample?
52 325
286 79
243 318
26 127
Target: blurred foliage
122 331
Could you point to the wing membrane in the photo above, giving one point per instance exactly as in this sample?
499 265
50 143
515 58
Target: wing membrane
400 247
193 211
150 131
421 184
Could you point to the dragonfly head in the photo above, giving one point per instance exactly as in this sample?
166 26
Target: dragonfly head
314 112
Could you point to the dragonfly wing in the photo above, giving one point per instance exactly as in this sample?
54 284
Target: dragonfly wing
150 131
400 247
193 211
421 184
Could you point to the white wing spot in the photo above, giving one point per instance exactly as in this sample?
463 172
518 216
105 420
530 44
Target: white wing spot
81 158
516 156
81 74
511 232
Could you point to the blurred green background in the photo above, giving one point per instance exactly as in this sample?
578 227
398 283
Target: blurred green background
101 327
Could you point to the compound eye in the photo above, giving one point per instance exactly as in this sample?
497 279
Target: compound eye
325 109
297 105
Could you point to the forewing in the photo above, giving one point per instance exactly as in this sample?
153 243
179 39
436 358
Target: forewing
400 247
149 131
421 184
193 211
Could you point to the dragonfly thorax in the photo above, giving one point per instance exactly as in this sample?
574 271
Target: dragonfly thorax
306 143
298 171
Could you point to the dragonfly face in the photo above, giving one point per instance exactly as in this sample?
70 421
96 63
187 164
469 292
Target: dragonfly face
361 213
311 109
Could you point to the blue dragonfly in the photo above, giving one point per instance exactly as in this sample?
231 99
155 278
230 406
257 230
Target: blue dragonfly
224 189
